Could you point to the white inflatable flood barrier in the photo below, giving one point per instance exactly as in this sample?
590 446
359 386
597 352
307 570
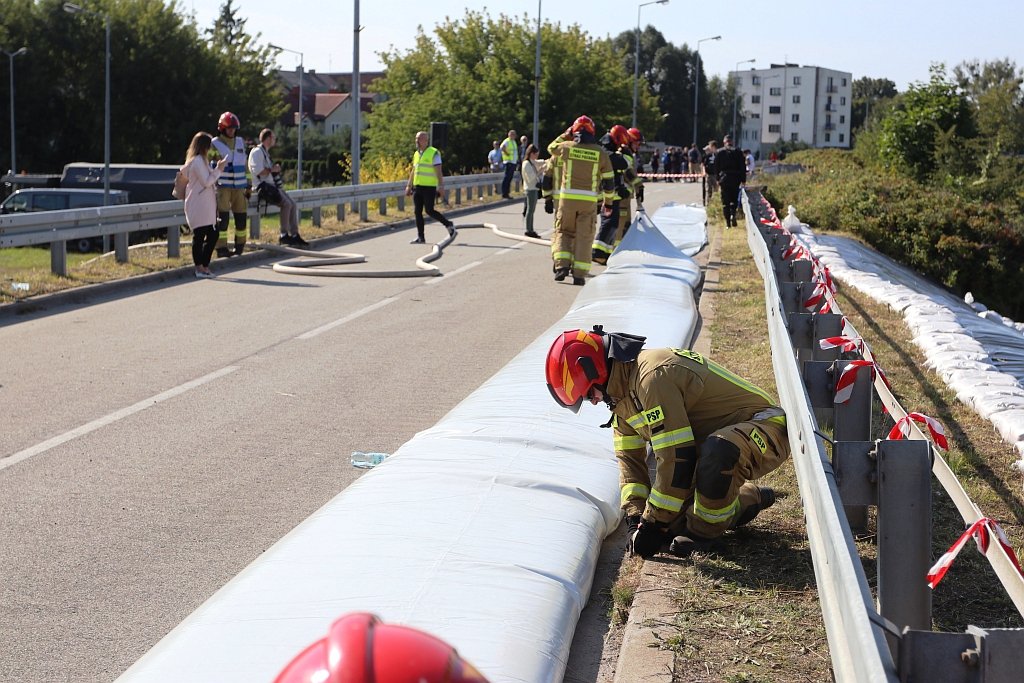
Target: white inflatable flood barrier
978 353
483 530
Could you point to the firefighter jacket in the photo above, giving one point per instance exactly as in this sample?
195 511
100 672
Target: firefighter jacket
234 172
672 399
731 166
632 181
584 171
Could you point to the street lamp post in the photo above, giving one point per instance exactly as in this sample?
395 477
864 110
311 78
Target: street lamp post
636 57
536 85
696 82
72 8
10 56
302 72
734 133
357 88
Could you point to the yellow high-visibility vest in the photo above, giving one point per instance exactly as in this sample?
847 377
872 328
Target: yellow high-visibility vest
423 162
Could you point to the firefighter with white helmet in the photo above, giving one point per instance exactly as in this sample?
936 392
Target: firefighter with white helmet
711 432
585 177
232 187
360 648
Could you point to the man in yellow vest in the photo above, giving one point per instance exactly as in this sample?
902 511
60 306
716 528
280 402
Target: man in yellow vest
585 176
425 182
509 157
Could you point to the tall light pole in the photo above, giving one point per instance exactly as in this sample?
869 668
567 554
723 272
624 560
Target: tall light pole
733 132
636 57
10 56
72 8
536 85
696 82
357 89
302 72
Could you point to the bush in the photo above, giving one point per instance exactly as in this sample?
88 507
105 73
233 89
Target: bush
964 242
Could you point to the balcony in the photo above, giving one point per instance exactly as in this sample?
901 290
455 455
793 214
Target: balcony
830 126
831 107
831 89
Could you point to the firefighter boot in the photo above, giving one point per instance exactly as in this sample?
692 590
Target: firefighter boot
767 499
561 274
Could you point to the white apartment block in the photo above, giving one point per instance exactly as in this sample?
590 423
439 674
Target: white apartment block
788 102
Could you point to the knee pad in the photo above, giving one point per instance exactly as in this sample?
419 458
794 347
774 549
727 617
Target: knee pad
718 458
240 220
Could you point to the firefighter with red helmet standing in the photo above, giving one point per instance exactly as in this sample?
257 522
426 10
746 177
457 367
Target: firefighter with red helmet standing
585 177
711 432
609 234
232 187
360 648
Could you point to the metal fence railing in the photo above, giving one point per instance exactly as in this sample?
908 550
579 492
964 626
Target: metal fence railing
57 228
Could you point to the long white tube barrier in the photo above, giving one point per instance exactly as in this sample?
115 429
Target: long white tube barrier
483 530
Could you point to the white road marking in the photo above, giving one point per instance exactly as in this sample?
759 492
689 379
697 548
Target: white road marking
463 269
348 318
112 417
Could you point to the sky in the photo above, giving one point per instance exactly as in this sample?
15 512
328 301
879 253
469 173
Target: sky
894 39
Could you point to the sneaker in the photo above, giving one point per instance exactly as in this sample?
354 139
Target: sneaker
767 496
451 229
418 240
684 546
202 274
579 280
561 274
299 242
531 233
506 196
286 240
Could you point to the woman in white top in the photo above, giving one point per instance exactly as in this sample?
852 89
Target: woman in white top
532 172
201 201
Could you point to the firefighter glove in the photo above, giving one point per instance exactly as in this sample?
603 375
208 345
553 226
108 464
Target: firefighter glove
649 539
549 205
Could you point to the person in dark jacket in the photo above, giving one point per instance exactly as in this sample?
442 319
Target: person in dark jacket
731 168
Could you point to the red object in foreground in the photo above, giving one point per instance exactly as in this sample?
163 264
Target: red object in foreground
360 648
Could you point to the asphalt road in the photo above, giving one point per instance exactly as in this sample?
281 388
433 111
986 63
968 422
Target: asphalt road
154 444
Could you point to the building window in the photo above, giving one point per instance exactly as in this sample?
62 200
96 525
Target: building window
755 80
755 99
842 137
774 110
796 99
842 101
794 137
844 82
796 80
842 119
775 92
828 137
755 116
774 128
795 118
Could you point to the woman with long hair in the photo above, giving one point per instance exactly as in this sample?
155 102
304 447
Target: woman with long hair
532 172
201 200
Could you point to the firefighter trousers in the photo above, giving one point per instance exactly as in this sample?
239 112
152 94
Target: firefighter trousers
573 238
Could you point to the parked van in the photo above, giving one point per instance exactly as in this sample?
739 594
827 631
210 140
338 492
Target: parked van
58 199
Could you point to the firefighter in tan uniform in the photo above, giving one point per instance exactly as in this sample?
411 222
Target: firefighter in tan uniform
613 224
711 432
585 178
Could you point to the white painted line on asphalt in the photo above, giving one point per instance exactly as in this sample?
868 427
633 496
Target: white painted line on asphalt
348 318
463 269
113 417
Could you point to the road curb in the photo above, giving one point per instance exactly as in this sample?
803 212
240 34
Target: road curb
646 654
88 294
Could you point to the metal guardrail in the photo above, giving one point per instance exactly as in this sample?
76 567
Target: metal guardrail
58 227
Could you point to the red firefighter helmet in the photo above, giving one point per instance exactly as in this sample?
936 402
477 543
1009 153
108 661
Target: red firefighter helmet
577 362
228 120
620 136
583 123
636 136
360 648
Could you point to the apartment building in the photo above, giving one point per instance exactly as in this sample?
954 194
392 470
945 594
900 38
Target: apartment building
789 102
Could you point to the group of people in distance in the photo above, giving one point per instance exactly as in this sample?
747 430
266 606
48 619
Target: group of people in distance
217 188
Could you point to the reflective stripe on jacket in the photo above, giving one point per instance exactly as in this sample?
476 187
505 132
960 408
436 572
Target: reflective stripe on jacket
672 399
424 165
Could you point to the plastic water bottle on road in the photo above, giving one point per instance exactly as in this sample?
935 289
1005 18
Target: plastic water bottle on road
366 461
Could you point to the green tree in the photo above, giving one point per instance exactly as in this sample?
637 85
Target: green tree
925 116
869 94
477 74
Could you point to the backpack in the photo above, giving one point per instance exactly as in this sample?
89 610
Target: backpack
180 184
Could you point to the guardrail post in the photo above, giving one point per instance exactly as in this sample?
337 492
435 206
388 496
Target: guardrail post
121 247
363 212
401 202
59 258
851 421
904 534
255 225
316 216
458 196
174 241
991 655
382 206
340 210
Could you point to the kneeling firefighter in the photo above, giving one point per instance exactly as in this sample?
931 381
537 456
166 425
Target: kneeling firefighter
711 432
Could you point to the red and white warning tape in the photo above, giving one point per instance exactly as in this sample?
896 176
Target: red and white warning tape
981 531
901 429
844 387
844 343
671 175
